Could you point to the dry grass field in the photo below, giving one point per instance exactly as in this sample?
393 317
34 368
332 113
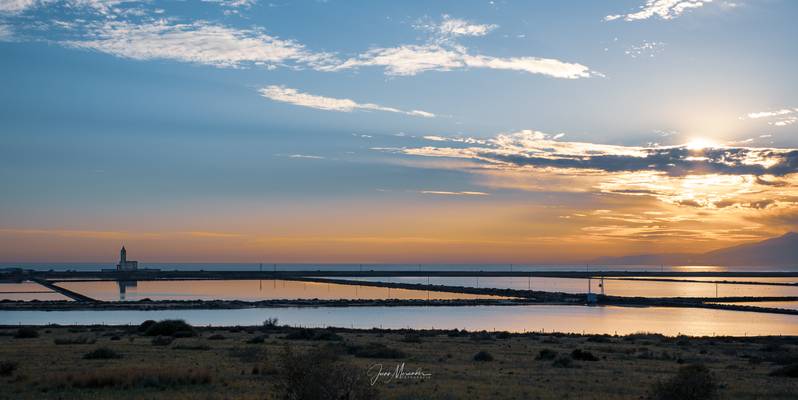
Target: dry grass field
272 362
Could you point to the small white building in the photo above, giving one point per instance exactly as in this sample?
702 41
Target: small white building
124 264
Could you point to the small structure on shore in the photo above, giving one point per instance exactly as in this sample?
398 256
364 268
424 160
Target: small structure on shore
124 263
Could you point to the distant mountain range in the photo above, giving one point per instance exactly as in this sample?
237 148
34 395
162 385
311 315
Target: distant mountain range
782 250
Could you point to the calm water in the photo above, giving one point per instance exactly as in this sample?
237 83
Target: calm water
248 290
613 287
575 319
789 305
27 291
386 267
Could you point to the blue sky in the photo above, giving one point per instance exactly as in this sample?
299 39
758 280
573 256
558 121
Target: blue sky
320 127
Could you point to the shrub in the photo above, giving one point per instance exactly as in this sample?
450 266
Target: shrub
162 340
412 338
26 333
217 337
150 377
481 336
74 340
7 367
562 362
583 355
258 339
790 371
599 339
691 382
319 375
146 325
375 350
270 324
192 346
546 354
503 335
248 353
102 353
170 327
313 334
483 356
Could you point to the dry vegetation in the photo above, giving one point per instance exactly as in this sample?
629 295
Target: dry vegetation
271 362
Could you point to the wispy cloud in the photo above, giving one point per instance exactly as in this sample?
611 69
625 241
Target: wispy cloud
443 53
645 49
783 117
448 193
100 6
450 27
293 96
714 176
197 42
307 156
407 60
6 33
15 6
137 33
664 9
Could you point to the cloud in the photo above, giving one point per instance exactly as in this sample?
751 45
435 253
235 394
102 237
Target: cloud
233 3
6 34
645 49
442 53
197 42
99 6
453 27
16 6
408 60
540 150
209 43
447 193
782 117
664 9
305 156
293 96
713 176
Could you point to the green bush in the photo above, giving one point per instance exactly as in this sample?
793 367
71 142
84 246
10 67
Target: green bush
102 353
7 367
193 346
546 354
170 327
146 325
691 382
162 340
790 371
320 375
26 333
562 362
583 355
483 356
258 339
375 350
313 334
74 340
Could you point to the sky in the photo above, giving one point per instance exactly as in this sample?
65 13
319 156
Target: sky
394 131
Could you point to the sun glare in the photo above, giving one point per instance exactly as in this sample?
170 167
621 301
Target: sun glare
701 143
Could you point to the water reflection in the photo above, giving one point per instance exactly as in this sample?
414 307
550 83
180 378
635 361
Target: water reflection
574 319
248 290
614 287
788 305
28 291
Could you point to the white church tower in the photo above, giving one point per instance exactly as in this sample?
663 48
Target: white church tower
124 264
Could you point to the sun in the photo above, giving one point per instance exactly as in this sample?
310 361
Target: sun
701 143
